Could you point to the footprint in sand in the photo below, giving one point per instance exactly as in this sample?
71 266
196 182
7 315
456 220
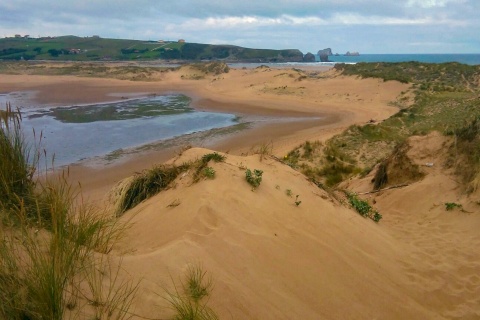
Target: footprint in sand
205 223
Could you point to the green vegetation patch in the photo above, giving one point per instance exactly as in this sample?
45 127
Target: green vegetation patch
445 99
254 178
71 48
449 206
363 207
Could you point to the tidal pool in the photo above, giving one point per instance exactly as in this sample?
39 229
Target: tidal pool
79 132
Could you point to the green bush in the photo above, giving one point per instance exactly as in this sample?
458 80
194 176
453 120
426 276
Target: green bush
209 172
449 206
254 178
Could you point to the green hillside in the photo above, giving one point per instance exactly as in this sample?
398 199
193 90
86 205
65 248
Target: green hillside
94 48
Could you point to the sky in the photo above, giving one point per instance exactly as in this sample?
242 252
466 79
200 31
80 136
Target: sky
366 26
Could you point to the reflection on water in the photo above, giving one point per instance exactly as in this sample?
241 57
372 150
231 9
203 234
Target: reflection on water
80 132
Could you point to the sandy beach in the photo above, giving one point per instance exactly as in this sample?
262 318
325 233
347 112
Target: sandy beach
269 256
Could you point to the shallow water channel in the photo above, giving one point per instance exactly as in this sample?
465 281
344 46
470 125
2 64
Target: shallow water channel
79 132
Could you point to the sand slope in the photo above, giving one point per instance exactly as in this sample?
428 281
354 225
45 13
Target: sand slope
443 263
270 259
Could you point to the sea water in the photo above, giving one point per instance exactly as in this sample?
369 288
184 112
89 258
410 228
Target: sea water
470 59
79 132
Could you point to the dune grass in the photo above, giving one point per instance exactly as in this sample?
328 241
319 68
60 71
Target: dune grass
132 191
49 239
17 165
146 184
189 299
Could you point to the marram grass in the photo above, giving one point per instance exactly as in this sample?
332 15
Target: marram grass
49 240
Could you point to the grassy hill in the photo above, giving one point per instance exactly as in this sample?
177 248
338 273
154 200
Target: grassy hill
94 48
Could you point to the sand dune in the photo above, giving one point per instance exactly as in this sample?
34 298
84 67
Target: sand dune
272 259
443 261
269 258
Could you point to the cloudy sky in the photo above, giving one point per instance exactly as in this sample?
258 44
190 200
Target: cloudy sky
367 26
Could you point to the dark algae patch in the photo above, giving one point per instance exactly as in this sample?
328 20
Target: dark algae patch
132 109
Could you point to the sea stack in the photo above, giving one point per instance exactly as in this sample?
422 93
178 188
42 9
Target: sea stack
323 54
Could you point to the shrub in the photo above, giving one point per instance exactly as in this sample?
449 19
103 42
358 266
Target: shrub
209 172
203 170
297 202
255 178
449 206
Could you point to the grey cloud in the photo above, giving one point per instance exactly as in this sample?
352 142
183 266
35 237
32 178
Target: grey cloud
365 25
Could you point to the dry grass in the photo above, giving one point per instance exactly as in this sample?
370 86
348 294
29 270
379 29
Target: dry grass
397 169
465 154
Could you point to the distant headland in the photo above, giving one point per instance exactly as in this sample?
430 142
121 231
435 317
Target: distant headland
96 48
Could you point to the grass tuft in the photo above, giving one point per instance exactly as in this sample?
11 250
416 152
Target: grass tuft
145 185
188 300
17 165
213 156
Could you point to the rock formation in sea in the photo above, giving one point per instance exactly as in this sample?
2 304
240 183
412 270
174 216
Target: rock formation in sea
323 54
353 53
309 57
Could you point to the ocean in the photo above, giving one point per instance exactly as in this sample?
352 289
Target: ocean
471 59
74 133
